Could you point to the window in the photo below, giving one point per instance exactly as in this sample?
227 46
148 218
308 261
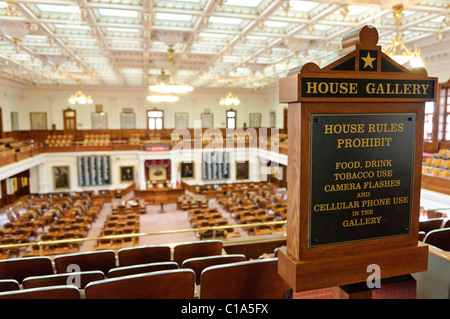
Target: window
429 115
446 110
444 113
231 119
155 119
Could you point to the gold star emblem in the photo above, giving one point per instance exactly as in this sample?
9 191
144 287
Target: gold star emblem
368 60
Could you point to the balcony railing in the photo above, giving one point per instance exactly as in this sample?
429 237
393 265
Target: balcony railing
214 229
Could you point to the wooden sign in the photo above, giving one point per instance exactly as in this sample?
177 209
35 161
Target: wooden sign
354 167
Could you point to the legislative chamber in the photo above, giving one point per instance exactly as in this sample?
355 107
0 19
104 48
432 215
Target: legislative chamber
224 149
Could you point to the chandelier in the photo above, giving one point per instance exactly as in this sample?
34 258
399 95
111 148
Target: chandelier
165 92
397 50
162 98
163 88
80 98
230 99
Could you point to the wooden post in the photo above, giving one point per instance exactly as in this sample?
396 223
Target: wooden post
354 167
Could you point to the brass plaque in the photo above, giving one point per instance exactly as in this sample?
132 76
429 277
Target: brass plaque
361 177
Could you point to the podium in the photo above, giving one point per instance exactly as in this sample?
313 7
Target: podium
354 167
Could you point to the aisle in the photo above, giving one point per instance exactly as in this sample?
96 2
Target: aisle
154 221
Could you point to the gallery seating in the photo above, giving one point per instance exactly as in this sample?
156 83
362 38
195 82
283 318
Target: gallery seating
439 238
425 226
141 268
169 284
59 140
79 279
183 251
143 255
255 279
20 268
54 292
102 260
97 139
438 165
198 264
9 285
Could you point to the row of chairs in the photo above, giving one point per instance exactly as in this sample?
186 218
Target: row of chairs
135 205
59 140
207 217
435 232
105 260
138 262
71 222
127 222
186 202
48 219
233 277
256 207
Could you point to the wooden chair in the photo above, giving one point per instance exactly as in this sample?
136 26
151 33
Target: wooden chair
426 226
55 292
141 268
169 284
181 252
85 277
143 255
199 263
9 285
255 279
20 268
102 260
439 238
446 224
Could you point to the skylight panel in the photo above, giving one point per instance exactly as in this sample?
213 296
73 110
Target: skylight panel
125 42
276 24
130 30
58 8
72 26
173 16
35 37
256 38
246 3
355 10
213 35
222 20
118 13
322 27
302 6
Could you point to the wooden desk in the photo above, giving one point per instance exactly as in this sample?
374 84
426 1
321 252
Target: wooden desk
160 196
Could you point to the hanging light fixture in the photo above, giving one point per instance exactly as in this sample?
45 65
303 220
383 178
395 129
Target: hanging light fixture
163 88
162 98
80 97
230 99
397 50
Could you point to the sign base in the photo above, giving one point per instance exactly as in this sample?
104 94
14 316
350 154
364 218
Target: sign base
324 273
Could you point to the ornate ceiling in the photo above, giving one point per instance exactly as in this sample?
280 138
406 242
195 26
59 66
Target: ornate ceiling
207 43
